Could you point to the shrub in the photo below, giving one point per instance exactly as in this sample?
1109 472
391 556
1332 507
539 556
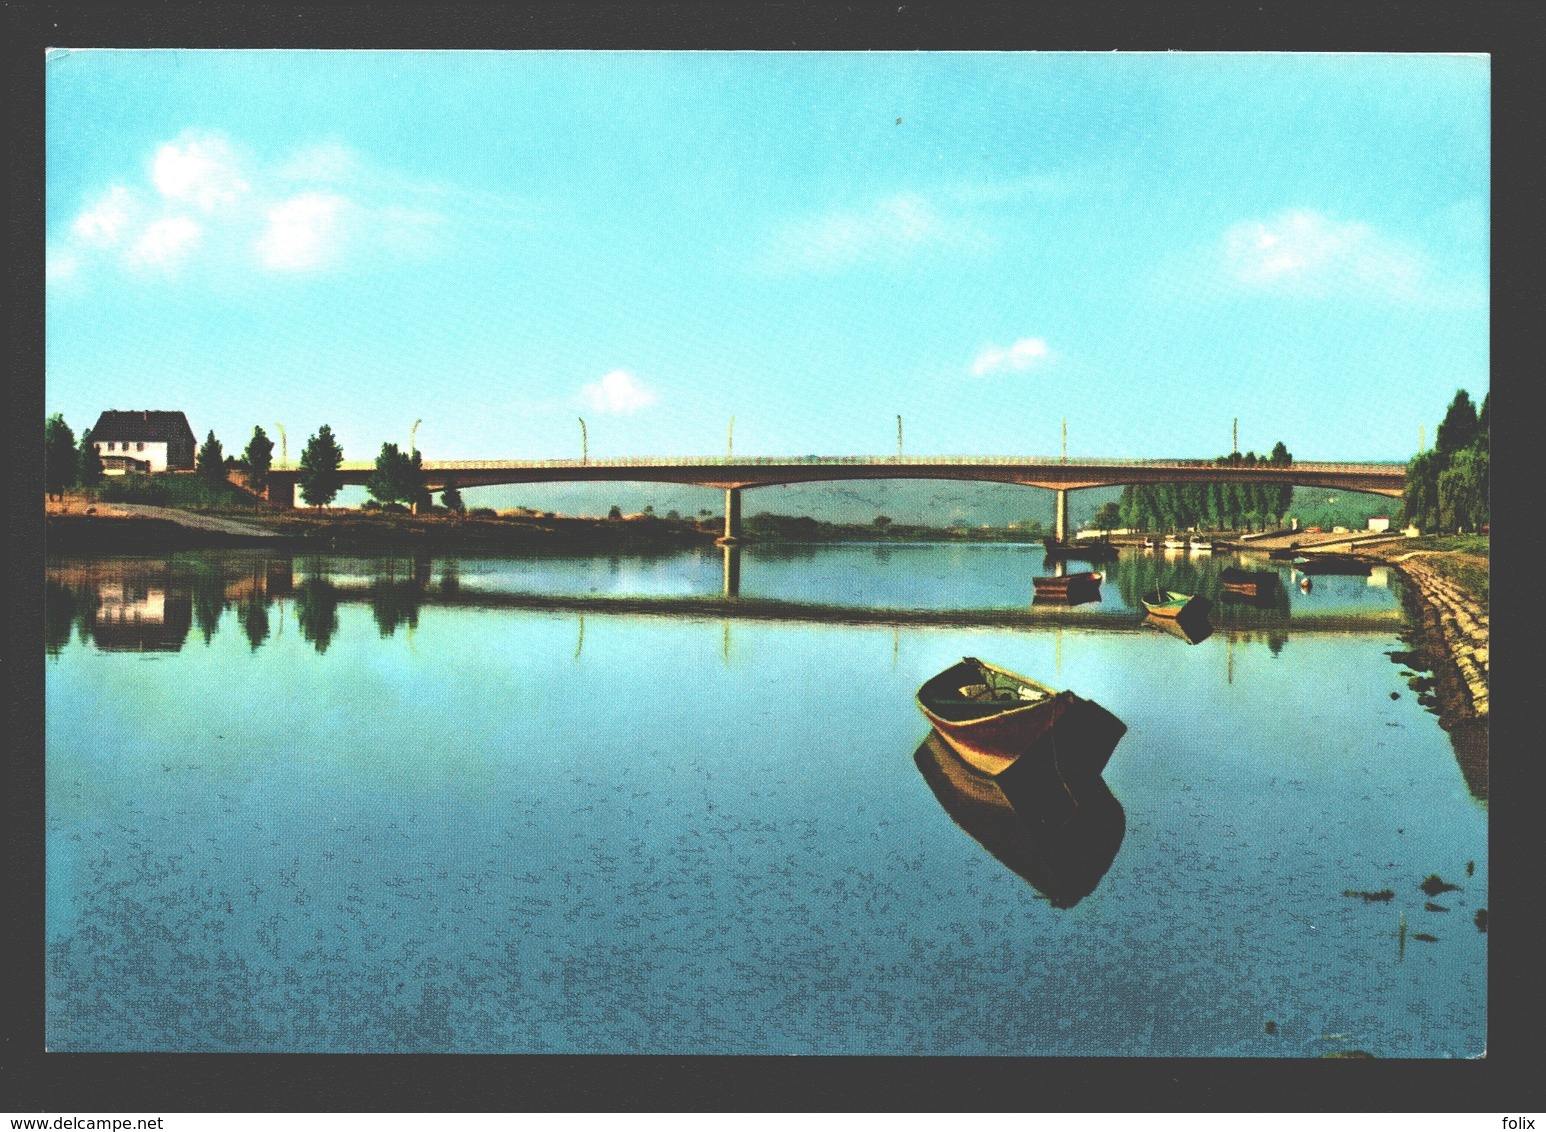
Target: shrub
483 513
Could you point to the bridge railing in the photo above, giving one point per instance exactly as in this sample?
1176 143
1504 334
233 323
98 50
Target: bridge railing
885 461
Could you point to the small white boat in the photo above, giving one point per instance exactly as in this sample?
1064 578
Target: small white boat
1175 543
1201 544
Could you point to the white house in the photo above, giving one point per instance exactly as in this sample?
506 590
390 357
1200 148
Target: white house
143 440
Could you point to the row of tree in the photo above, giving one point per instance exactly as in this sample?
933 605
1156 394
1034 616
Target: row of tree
398 476
1448 487
1209 506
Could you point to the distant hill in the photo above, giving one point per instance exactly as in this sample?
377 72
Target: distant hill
929 502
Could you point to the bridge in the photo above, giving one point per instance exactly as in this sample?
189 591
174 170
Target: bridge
735 475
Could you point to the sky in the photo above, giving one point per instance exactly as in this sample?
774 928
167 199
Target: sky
497 245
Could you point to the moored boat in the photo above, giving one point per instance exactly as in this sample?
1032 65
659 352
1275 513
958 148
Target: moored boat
1174 542
1148 544
1073 588
1247 583
1169 603
991 716
1200 544
1092 551
1334 564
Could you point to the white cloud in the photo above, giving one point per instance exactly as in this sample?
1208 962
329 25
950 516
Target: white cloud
198 169
103 223
166 242
1305 252
201 200
303 232
1023 354
897 224
617 392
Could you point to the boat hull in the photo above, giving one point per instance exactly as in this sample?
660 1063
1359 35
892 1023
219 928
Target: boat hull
1070 587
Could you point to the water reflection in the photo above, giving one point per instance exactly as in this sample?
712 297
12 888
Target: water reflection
1189 627
1063 849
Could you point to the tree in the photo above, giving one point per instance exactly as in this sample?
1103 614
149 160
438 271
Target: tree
59 455
1108 517
211 461
882 522
399 476
88 464
1463 490
259 458
452 498
614 512
1484 423
1458 428
319 468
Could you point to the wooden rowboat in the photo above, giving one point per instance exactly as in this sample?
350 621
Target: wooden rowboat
1334 564
1168 603
1247 583
1072 588
1015 729
990 715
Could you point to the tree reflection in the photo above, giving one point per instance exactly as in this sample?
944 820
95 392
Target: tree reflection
316 611
61 608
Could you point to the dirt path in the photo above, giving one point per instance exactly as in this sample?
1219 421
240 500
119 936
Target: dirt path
190 519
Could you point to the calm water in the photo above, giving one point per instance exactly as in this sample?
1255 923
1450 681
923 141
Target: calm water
337 804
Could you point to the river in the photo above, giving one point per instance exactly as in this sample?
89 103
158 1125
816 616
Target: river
591 805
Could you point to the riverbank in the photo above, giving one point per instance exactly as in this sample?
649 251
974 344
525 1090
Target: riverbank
106 528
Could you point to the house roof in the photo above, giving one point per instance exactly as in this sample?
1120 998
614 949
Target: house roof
141 424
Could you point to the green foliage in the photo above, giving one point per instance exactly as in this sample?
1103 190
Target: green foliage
614 512
1449 487
259 458
399 476
1108 517
452 498
88 463
211 459
60 458
882 522
168 489
1174 507
319 468
1458 428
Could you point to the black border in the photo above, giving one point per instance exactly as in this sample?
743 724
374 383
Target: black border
1509 32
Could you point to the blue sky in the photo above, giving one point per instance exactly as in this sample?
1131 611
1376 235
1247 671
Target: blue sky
499 243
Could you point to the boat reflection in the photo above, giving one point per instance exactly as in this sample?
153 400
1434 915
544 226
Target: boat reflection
1060 841
1193 628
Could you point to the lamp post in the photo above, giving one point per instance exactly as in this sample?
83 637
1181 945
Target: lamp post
284 446
584 444
411 431
899 436
730 441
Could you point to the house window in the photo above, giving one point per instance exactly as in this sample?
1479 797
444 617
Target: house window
140 446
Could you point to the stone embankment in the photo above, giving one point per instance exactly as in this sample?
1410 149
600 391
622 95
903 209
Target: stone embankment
1462 624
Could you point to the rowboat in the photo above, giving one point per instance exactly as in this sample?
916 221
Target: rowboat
1169 603
1148 544
1247 583
1085 551
1002 723
1174 543
1061 843
1072 588
1200 544
1334 564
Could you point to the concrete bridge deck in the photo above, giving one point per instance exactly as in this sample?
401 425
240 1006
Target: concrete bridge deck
734 475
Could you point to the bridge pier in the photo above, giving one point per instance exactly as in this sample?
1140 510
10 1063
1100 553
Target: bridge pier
732 513
1060 530
732 571
281 493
